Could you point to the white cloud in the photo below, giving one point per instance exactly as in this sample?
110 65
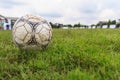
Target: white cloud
64 11
107 13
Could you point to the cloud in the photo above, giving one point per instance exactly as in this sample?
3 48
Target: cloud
64 11
52 15
10 3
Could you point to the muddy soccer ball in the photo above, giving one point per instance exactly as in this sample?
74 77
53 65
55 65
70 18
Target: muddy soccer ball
31 32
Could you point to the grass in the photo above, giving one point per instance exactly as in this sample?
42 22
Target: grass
83 54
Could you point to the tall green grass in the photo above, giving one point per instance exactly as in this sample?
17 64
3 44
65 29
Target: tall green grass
79 54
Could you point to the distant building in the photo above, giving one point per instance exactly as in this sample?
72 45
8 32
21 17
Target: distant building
2 21
12 20
58 25
6 23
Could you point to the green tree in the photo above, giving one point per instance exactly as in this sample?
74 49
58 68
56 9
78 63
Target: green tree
108 24
69 25
53 25
113 22
79 25
75 25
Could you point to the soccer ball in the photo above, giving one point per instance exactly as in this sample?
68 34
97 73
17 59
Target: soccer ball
31 32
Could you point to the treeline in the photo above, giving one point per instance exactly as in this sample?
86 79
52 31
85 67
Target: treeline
57 25
100 24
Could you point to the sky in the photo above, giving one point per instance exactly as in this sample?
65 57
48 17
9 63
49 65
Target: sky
64 11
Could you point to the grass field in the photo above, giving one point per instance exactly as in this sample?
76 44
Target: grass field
83 54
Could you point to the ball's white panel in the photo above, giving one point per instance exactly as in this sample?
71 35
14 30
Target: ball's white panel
28 28
43 37
45 42
27 38
19 24
26 17
45 34
21 32
39 28
50 35
44 31
18 41
41 19
46 26
33 20
38 39
38 18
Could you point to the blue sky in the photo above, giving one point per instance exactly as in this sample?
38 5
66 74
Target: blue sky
64 11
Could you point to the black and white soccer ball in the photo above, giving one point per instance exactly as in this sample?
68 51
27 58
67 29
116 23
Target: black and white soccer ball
31 32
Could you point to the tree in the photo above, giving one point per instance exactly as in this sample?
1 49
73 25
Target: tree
53 25
69 25
75 25
113 22
97 25
92 25
117 25
79 25
109 23
85 26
